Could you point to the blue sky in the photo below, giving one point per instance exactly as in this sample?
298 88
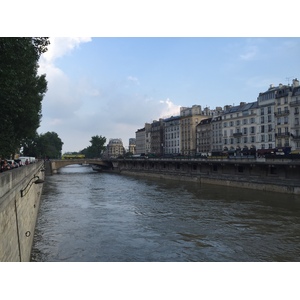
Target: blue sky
137 61
112 86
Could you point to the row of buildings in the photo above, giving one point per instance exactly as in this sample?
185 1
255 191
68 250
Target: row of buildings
271 122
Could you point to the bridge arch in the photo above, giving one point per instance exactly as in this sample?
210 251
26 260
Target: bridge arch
60 163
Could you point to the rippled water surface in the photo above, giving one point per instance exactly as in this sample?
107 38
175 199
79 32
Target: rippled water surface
102 217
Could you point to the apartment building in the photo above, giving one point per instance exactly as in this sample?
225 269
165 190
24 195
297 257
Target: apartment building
239 128
272 122
294 113
140 140
143 140
217 134
132 145
157 137
204 137
115 148
190 117
267 119
171 144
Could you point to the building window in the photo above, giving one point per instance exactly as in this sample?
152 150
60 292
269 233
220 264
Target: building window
270 137
262 120
286 130
269 109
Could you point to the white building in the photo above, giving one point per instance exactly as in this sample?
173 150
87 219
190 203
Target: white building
171 144
295 119
115 148
143 139
240 128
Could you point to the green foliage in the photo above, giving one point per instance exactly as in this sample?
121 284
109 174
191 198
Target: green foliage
21 90
97 147
47 145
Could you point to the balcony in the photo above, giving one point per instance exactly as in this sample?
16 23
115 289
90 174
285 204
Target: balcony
295 103
282 135
295 137
282 113
237 134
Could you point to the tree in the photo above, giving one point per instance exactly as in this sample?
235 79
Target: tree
21 90
97 147
43 145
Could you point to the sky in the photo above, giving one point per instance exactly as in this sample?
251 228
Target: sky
112 86
113 66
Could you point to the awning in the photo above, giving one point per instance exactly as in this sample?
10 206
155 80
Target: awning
295 152
264 151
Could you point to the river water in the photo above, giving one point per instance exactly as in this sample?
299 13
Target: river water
87 216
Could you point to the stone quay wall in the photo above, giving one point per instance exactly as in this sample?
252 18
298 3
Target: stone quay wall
19 205
276 175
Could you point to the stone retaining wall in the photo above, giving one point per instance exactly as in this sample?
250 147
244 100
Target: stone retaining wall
19 204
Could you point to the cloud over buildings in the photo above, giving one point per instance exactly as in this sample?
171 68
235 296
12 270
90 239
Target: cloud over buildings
79 107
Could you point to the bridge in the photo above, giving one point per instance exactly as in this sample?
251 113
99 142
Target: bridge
60 163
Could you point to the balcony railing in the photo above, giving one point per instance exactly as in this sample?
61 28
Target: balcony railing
281 113
295 103
237 134
282 135
295 137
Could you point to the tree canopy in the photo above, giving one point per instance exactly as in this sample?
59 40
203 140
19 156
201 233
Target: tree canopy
47 145
96 148
21 90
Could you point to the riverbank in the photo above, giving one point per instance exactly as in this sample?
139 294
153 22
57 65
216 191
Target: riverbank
280 187
20 196
274 176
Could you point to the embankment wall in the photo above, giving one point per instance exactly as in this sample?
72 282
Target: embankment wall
19 204
273 175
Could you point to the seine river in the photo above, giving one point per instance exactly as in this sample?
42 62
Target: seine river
87 216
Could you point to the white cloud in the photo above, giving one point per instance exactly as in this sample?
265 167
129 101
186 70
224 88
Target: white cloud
250 53
169 109
133 79
78 110
61 46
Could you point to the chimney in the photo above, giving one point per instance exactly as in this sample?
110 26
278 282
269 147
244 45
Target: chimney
295 82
